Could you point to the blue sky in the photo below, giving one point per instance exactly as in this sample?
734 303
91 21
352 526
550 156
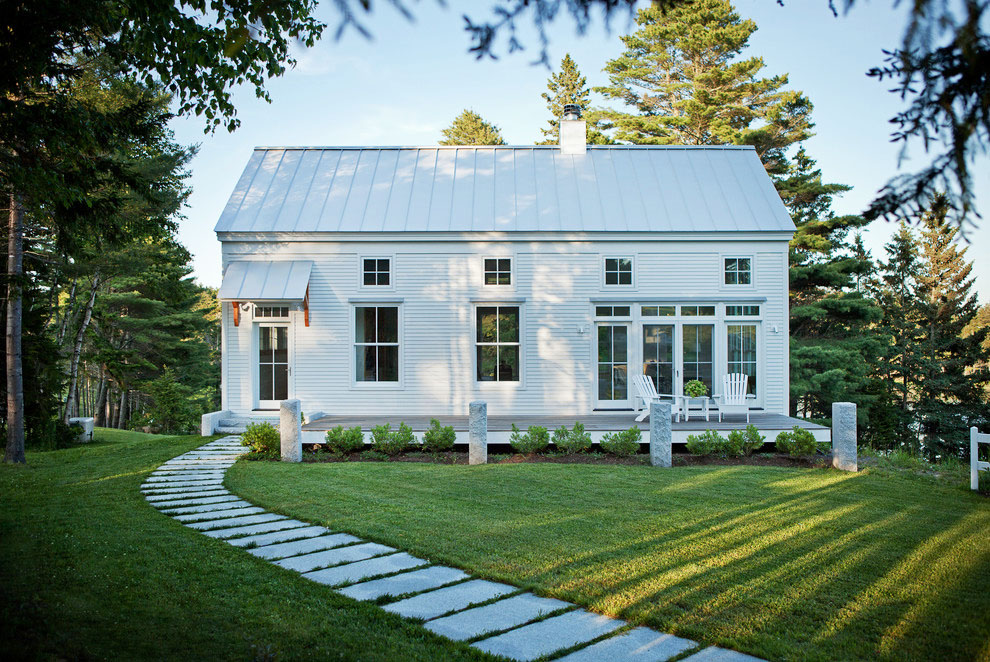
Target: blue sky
407 84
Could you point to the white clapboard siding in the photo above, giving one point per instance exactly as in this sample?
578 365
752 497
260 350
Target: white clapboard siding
440 282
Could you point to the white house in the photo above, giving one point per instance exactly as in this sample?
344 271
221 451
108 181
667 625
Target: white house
414 280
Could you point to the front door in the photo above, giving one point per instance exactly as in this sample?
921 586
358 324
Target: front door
698 354
613 366
273 366
658 356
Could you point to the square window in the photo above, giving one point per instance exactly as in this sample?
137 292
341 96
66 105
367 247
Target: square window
618 271
498 271
377 271
738 271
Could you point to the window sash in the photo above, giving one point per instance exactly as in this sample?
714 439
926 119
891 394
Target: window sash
376 344
498 271
738 271
497 347
377 271
618 271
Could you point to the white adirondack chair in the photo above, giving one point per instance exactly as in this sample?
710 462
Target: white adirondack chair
647 392
733 398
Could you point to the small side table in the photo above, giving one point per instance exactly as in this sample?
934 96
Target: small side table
696 405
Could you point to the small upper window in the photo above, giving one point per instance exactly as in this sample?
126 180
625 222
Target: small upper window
698 311
618 271
377 271
742 311
658 311
738 271
271 311
611 311
498 271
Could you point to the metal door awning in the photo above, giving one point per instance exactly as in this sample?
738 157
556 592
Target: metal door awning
261 281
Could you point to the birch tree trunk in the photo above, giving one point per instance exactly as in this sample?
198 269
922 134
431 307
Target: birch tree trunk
15 375
70 399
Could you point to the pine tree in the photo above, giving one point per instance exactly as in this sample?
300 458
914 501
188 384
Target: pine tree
950 390
683 77
469 128
569 87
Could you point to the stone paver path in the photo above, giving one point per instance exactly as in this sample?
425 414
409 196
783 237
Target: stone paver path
493 617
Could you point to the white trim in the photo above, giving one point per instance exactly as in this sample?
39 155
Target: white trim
496 384
290 389
552 236
356 385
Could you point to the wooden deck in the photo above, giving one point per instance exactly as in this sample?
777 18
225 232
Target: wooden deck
597 424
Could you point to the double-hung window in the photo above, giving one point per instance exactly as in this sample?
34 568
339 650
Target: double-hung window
376 343
618 271
738 271
497 341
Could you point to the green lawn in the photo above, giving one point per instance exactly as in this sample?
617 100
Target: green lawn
787 564
91 572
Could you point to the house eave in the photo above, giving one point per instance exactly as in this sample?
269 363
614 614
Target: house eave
545 236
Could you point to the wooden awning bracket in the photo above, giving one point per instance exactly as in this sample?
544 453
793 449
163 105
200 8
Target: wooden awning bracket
306 306
237 312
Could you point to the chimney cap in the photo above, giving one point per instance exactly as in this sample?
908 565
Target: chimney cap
572 111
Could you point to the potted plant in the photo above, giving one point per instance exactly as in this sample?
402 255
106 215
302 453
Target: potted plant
697 401
695 389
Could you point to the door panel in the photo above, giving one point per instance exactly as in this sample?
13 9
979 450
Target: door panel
613 365
273 364
658 355
698 354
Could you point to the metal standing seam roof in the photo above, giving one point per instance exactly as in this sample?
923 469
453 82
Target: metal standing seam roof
258 280
504 189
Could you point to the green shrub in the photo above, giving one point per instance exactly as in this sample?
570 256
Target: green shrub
695 389
574 441
263 439
341 441
623 443
752 440
392 442
735 443
536 439
438 439
798 442
706 443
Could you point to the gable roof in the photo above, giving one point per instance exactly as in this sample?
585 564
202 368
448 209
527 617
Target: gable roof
504 189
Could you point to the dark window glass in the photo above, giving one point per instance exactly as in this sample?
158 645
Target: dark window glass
618 271
498 271
376 343
376 271
742 311
497 339
738 271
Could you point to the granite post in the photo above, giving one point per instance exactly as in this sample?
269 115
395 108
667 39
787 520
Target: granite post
478 433
660 434
844 436
290 430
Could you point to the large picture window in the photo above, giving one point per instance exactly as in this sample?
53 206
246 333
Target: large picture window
742 352
376 343
498 343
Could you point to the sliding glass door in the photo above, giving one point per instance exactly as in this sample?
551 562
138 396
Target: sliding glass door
613 366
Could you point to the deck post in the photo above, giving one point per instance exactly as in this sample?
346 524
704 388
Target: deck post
660 434
478 433
844 436
290 430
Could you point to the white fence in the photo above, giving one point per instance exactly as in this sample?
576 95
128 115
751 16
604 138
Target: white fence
975 466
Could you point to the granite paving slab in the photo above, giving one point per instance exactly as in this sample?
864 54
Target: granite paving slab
172 496
192 473
499 615
716 654
231 522
206 508
220 514
324 559
415 581
452 598
268 525
538 639
290 533
355 572
304 546
199 501
636 645
187 484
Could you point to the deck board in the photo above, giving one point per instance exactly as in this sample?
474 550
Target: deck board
592 422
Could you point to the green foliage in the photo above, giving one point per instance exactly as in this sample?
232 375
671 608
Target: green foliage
621 444
469 128
172 410
695 389
707 443
536 439
262 438
341 441
575 440
391 442
752 440
438 439
568 86
797 443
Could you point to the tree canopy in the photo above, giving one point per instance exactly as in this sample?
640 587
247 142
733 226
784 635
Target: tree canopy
469 128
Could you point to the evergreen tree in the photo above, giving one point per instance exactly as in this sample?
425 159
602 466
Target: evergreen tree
569 87
950 388
682 75
469 128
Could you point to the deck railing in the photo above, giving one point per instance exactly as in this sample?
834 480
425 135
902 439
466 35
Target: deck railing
975 465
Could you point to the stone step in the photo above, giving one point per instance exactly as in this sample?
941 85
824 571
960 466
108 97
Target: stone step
331 557
355 572
452 598
210 508
155 498
545 637
304 546
415 581
198 501
231 522
247 509
500 615
635 645
280 536
184 486
266 525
